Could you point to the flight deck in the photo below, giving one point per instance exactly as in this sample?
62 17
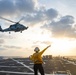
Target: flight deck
24 66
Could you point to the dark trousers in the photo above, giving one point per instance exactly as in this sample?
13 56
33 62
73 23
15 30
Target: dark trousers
38 67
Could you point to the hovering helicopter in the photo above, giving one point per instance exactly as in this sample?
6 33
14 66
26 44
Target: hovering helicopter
17 27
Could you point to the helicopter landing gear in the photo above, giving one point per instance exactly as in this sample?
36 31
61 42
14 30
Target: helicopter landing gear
9 32
21 31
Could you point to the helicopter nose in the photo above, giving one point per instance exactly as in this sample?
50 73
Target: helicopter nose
25 27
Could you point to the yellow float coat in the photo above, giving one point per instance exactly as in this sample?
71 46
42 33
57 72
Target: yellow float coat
36 57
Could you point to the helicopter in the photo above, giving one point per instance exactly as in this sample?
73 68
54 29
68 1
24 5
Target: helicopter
17 27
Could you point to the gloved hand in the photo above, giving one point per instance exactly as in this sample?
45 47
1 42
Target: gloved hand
48 46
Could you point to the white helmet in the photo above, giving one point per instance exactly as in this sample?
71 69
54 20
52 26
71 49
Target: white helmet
36 49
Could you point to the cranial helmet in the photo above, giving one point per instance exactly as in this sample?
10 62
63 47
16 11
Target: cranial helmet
36 49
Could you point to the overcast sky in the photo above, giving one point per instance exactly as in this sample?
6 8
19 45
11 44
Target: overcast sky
49 21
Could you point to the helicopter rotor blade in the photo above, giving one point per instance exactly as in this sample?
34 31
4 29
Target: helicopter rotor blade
21 19
7 20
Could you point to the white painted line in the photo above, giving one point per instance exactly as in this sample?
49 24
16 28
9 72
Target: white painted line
15 72
23 64
22 73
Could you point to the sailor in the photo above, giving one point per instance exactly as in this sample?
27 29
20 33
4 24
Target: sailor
37 59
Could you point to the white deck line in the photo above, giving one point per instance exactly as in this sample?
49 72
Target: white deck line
21 73
11 66
15 72
23 64
26 73
28 68
69 62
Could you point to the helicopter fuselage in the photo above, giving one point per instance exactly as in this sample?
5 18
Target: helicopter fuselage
15 27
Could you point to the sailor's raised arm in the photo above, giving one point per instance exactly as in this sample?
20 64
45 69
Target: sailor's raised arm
44 49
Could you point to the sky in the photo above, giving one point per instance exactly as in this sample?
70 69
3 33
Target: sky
50 22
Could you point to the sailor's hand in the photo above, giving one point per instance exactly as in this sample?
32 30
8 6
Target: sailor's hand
48 46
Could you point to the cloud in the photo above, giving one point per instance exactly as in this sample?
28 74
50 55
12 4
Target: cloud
2 49
41 16
8 47
29 9
16 7
67 20
3 35
51 13
42 42
25 5
7 7
2 41
35 18
62 28
12 47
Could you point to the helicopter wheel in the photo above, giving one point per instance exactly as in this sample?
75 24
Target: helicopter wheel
21 31
9 32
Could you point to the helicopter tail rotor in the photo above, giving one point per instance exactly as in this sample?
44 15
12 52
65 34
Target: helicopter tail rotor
1 28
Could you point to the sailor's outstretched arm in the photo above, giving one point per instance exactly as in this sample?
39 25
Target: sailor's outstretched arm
44 49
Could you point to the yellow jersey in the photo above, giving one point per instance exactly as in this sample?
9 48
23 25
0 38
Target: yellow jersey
36 57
